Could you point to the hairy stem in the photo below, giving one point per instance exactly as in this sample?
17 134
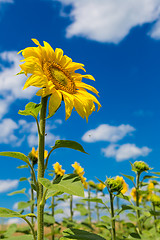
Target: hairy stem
71 207
112 217
137 202
89 205
41 147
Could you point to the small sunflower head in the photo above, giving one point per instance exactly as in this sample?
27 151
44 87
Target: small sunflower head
78 169
140 166
84 182
124 184
133 194
33 156
114 185
100 186
150 188
92 184
58 169
155 199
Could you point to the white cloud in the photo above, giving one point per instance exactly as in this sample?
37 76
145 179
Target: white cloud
11 84
14 220
155 31
106 132
7 185
7 127
125 151
110 21
31 129
6 1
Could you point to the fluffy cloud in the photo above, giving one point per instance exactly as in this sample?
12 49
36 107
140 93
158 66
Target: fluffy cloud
125 151
30 128
7 128
7 185
111 21
106 132
11 85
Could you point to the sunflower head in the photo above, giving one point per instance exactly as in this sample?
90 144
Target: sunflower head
133 194
100 186
58 169
114 185
155 199
124 184
78 169
54 73
33 155
92 184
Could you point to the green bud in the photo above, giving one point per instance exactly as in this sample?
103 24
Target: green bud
155 199
114 185
92 184
140 166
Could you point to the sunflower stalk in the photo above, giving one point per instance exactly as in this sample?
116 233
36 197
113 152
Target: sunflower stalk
41 147
89 205
52 228
71 207
112 216
155 218
137 202
97 206
32 195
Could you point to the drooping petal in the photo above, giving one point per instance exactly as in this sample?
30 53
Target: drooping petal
54 102
49 51
74 66
68 105
79 106
91 97
81 85
35 80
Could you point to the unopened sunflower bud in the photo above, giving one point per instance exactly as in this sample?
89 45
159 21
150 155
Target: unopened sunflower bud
92 184
114 185
140 166
155 199
100 186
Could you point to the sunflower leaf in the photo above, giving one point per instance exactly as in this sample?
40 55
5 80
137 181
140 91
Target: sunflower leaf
31 109
18 155
68 144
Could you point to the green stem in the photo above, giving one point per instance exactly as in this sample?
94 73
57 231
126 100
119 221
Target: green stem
32 195
112 217
89 206
137 202
31 227
41 147
155 218
52 228
97 207
71 207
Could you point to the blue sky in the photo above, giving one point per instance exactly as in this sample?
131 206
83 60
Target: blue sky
119 44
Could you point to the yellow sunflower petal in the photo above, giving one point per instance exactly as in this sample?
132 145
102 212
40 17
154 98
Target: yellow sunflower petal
84 85
74 66
54 102
49 51
79 106
35 80
68 106
35 41
91 97
65 61
58 54
43 92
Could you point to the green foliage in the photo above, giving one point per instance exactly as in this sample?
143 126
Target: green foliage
31 109
23 205
80 234
11 229
69 183
68 144
7 213
17 155
17 192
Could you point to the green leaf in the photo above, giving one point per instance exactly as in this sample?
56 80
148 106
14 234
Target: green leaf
23 205
135 235
129 177
58 211
17 192
80 208
148 177
80 234
127 198
31 109
97 200
106 219
11 229
23 166
52 193
48 218
69 183
68 144
18 155
5 212
21 237
23 179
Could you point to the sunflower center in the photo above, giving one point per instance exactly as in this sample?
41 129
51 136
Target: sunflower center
59 77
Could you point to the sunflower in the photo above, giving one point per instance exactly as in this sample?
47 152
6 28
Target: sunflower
124 184
55 74
58 169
